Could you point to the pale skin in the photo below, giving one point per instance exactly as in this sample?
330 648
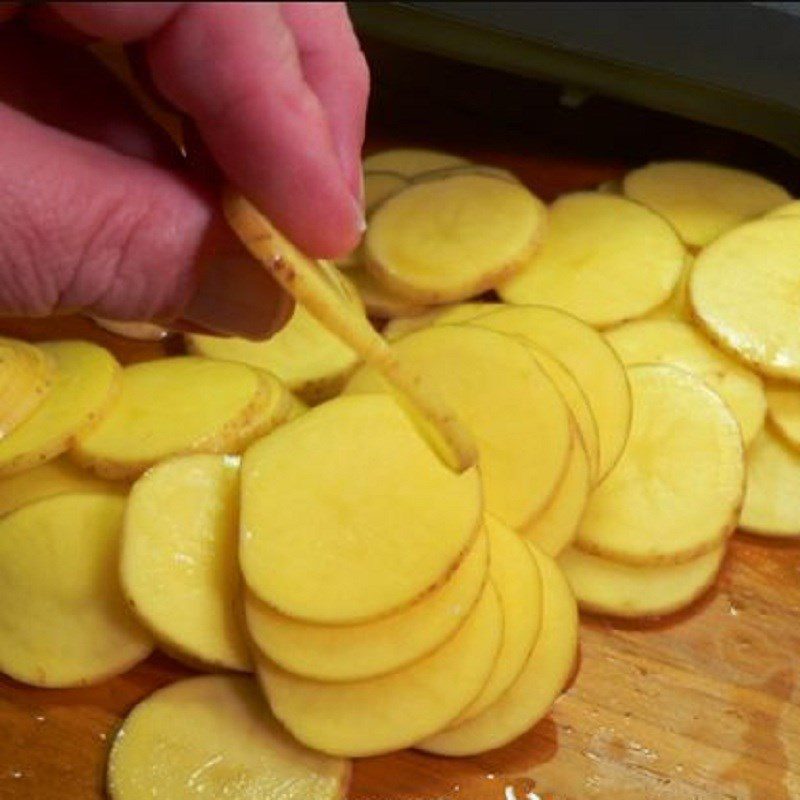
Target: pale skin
99 211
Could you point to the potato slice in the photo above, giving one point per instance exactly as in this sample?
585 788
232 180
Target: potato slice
465 169
365 718
444 315
347 515
181 405
676 343
621 590
743 290
213 736
515 575
676 492
557 526
179 558
588 358
140 331
356 652
448 239
310 361
379 301
773 486
410 161
783 406
27 375
790 209
677 306
605 260
702 200
63 619
87 381
539 684
380 185
520 422
59 476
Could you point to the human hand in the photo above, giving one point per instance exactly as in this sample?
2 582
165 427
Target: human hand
99 211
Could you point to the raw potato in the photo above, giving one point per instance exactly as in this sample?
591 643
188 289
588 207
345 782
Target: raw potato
677 306
605 259
676 343
176 406
141 331
515 575
520 423
59 476
539 684
702 200
379 301
355 652
557 526
393 711
410 161
27 375
771 504
744 291
446 315
87 382
179 558
63 619
448 239
790 209
590 360
607 587
310 361
783 406
465 169
676 492
347 515
379 185
214 736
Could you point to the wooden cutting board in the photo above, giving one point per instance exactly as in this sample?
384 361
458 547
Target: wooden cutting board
704 705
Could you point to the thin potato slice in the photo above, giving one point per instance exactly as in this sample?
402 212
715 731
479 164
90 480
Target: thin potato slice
310 361
677 306
790 209
27 375
783 406
702 200
744 291
676 492
214 736
771 506
140 331
347 515
676 343
620 590
176 406
449 239
379 301
446 315
520 423
515 575
539 684
374 716
557 526
87 381
465 169
605 260
179 558
410 161
356 652
63 619
589 359
380 185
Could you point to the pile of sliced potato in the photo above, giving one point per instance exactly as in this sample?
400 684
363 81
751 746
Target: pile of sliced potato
391 533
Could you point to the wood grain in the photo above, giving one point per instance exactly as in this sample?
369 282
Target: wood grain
701 706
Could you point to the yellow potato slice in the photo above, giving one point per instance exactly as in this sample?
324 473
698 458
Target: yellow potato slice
59 476
515 575
310 361
539 684
702 200
605 259
770 505
27 375
380 185
63 619
214 736
607 587
676 492
677 306
355 652
445 315
588 358
181 405
520 423
744 291
410 161
557 526
319 543
87 381
465 169
783 407
365 718
179 558
676 343
140 331
790 209
448 239
379 301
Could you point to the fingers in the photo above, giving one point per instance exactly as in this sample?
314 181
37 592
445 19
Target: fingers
119 22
